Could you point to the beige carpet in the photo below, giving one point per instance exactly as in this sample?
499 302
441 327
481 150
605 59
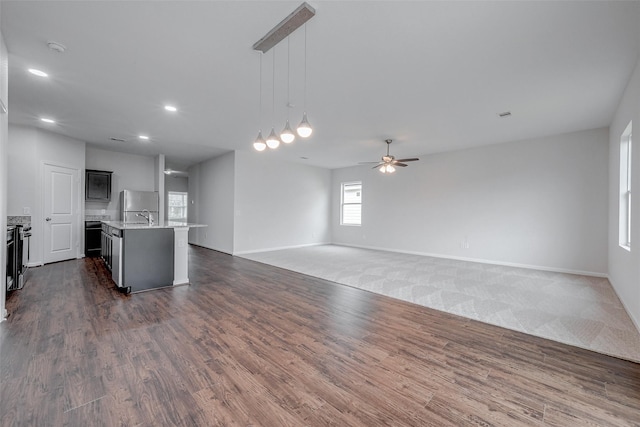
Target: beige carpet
578 310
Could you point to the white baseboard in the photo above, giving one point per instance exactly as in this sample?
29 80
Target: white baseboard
483 261
633 319
280 248
210 248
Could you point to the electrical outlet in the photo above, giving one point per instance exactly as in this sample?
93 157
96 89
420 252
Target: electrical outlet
26 211
103 211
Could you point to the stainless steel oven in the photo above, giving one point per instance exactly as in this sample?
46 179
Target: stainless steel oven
12 272
17 255
23 252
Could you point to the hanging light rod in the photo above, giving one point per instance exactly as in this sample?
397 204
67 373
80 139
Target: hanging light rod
295 20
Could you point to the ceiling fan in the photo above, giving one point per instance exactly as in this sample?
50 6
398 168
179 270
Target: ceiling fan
389 163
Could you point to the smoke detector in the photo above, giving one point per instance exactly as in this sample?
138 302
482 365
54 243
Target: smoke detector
56 47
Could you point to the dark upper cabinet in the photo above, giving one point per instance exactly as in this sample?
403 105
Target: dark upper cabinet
97 186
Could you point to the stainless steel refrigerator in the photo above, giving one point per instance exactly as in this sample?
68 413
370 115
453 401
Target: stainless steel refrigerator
134 203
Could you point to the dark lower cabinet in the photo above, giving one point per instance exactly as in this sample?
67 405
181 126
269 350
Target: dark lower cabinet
92 238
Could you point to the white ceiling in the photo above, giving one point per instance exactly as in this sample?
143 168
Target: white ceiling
431 75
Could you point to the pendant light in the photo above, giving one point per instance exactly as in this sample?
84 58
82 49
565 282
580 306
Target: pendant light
304 128
287 136
259 144
273 141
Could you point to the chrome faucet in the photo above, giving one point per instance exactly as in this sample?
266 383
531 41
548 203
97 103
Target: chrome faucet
148 216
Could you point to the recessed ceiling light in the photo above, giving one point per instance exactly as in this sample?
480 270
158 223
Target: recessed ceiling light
170 108
143 137
46 120
38 72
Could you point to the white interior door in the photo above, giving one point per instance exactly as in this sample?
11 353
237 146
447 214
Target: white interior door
60 213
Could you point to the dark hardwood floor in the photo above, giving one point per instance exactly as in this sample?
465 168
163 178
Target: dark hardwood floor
253 345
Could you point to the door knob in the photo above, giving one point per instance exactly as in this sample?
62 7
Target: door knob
47 219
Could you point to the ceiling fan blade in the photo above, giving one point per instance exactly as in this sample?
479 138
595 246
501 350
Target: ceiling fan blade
400 164
367 163
408 160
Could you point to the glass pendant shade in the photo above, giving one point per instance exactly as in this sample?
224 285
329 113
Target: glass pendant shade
304 128
272 140
259 144
287 136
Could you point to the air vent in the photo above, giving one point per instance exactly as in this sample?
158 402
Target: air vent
505 114
117 139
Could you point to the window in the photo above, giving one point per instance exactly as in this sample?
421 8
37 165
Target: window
625 189
351 209
177 206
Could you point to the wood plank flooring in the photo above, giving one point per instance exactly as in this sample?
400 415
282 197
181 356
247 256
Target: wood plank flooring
247 344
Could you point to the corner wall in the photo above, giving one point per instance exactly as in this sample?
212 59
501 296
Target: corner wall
537 203
253 203
4 173
279 204
624 266
29 148
130 172
211 201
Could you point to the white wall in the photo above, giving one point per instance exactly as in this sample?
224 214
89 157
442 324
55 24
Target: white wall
279 204
624 266
130 172
158 177
539 203
29 149
4 175
211 189
176 183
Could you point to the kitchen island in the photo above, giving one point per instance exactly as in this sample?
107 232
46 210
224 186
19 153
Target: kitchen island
143 257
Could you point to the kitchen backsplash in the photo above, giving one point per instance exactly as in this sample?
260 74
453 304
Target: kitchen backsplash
99 214
19 219
97 217
26 219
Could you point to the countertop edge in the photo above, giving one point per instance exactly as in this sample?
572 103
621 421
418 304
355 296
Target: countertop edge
123 226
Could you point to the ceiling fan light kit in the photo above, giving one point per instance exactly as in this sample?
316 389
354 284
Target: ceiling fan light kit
286 27
389 163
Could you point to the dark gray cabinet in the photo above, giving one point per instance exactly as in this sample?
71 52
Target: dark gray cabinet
97 186
92 238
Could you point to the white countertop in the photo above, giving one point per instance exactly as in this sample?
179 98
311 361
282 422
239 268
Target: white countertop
167 224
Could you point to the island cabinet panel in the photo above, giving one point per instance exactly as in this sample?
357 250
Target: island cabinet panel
148 258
